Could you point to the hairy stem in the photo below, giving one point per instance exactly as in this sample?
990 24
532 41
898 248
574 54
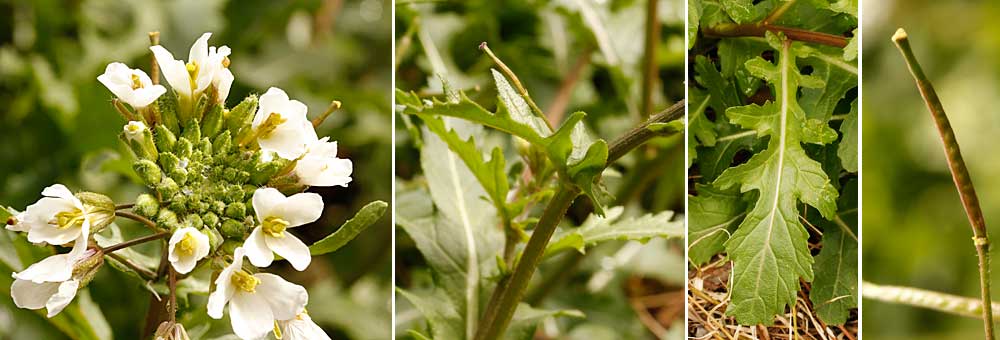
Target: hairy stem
505 298
947 303
640 134
649 57
172 283
124 206
145 273
959 173
517 84
758 29
135 217
133 242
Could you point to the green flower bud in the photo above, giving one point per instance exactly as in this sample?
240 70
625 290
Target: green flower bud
166 216
212 122
88 265
233 229
236 210
222 143
197 205
178 202
241 116
140 139
194 221
205 146
167 104
214 237
167 188
199 109
163 138
148 172
192 131
264 171
178 174
183 148
169 160
211 219
146 205
218 207
229 246
100 209
234 193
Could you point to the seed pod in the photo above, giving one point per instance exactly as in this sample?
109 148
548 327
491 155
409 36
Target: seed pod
146 205
148 172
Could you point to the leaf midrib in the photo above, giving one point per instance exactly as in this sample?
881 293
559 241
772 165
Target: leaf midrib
472 276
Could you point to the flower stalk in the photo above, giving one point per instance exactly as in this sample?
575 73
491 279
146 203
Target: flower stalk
959 174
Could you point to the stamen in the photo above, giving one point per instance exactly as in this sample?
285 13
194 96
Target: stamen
275 226
136 82
225 62
244 281
270 124
186 246
67 219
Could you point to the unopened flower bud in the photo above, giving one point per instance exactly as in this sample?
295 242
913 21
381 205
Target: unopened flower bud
214 237
236 210
168 110
218 207
140 140
211 219
192 131
265 171
169 161
87 265
148 171
233 229
180 175
146 205
212 122
205 146
166 216
222 143
167 188
183 148
178 202
229 246
169 330
241 116
100 208
164 138
194 221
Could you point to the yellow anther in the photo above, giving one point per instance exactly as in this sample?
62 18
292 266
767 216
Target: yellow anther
192 68
136 82
275 226
225 62
244 281
67 219
277 330
187 245
270 124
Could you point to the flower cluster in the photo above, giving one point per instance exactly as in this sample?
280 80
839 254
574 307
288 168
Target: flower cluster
225 184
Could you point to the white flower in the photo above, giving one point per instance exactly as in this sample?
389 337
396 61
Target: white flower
49 283
320 167
276 213
191 78
281 125
300 328
255 301
56 219
187 246
132 86
134 130
18 224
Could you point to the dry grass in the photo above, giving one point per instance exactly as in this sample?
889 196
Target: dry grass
708 298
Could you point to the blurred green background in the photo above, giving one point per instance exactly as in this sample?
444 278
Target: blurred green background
599 45
915 232
59 127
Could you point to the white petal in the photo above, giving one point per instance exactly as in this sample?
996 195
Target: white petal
55 268
271 101
300 209
147 95
266 202
302 328
38 216
292 249
59 191
222 294
285 299
53 235
199 50
289 139
202 246
324 172
250 315
30 295
223 82
20 225
257 251
174 71
67 291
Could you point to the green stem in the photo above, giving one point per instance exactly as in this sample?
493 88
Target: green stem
959 173
777 13
135 217
649 57
758 29
145 273
947 303
133 242
640 134
506 297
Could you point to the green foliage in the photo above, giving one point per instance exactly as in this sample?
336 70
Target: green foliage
752 208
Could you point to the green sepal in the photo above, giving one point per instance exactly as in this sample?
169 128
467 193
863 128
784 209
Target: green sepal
241 116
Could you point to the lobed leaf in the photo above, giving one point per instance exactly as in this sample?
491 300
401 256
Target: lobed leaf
597 229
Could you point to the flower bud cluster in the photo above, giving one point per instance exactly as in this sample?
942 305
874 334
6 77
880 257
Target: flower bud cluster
224 184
